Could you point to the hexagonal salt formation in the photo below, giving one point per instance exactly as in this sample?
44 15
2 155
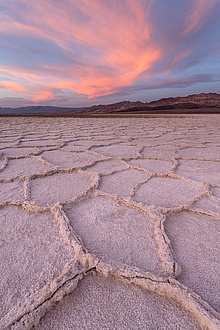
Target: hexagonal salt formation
33 256
167 192
116 232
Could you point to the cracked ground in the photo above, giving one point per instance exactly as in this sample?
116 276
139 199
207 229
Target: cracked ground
110 223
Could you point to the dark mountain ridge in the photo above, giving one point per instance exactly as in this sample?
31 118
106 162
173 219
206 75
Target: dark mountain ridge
197 101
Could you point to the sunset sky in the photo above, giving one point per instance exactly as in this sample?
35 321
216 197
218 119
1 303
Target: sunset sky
83 52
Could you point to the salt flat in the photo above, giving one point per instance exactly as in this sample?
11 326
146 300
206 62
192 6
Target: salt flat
110 223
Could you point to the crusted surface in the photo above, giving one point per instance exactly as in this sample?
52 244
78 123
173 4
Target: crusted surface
134 202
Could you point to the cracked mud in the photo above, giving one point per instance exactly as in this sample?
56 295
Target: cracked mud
110 223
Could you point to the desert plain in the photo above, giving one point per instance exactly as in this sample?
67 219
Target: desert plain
110 223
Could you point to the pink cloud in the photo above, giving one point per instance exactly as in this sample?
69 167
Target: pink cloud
178 58
106 45
22 74
43 95
198 15
120 33
12 86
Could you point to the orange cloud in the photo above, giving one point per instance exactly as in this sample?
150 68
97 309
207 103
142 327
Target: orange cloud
198 15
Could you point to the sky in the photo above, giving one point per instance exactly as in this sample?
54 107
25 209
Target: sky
76 53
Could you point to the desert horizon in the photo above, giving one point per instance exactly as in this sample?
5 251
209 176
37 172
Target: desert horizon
197 103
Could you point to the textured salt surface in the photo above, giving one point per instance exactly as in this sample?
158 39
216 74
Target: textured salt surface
209 205
116 232
122 150
196 238
67 160
205 153
152 165
39 143
107 303
30 244
24 167
19 152
60 187
159 152
107 167
205 171
167 192
135 200
216 192
11 191
115 184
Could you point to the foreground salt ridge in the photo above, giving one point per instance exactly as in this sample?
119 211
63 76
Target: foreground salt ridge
172 143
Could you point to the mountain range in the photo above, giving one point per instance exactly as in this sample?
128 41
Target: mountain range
205 103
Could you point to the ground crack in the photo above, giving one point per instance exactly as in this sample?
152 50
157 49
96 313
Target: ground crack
79 276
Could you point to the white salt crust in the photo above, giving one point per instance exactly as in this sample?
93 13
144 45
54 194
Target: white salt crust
123 213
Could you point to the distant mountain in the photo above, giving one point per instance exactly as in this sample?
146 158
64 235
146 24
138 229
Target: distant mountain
203 99
38 110
193 103
197 101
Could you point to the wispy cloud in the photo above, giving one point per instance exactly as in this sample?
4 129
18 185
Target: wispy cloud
197 15
12 86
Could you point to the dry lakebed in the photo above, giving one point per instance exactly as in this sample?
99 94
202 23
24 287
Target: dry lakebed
110 223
